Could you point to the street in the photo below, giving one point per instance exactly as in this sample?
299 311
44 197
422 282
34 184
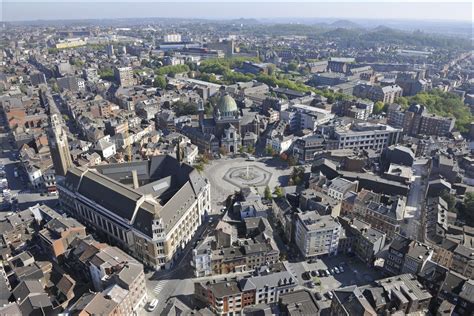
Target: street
18 185
415 201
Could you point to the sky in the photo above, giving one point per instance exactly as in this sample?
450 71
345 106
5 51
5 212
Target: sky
15 10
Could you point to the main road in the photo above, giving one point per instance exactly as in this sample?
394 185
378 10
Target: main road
416 201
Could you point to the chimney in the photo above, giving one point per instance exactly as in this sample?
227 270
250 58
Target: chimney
135 179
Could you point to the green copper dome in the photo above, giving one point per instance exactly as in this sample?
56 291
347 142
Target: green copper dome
227 105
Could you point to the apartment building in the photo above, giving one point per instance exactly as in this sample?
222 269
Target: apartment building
124 76
387 94
304 149
339 187
316 235
231 297
120 277
396 255
151 209
358 109
416 120
463 261
59 233
416 257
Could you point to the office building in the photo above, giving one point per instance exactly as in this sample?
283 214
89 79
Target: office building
151 209
366 136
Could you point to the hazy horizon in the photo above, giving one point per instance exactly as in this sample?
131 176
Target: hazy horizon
15 11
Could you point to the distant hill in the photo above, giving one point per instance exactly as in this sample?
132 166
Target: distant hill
345 24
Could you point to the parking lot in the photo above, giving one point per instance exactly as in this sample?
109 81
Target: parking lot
355 273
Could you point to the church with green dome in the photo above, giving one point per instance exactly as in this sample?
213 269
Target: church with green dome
229 127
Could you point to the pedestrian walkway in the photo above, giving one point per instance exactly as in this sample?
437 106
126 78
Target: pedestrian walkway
159 286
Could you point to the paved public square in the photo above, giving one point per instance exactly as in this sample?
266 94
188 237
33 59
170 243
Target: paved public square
276 173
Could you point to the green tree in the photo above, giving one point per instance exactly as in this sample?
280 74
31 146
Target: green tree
55 87
292 66
159 82
279 192
250 149
182 108
297 175
269 150
445 104
267 193
106 74
199 167
271 68
172 69
378 107
449 199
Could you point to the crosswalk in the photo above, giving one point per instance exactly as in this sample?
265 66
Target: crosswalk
159 286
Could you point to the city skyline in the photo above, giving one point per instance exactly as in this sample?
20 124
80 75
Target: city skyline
73 10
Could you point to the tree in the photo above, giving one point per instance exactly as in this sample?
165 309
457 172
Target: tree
267 193
241 149
271 68
106 74
223 150
269 150
449 199
199 167
378 107
445 104
182 108
291 161
250 149
279 192
55 87
292 66
172 69
297 175
160 82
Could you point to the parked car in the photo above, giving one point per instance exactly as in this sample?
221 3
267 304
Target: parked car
322 273
152 305
314 273
332 271
341 268
329 295
336 269
328 273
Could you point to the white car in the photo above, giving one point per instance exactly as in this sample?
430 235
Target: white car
152 305
336 270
